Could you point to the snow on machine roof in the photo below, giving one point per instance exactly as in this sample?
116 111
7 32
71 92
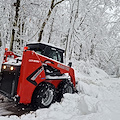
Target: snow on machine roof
41 45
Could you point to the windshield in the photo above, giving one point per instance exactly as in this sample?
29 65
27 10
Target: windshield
49 51
55 55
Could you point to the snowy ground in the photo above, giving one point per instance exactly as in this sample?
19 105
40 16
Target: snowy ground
98 99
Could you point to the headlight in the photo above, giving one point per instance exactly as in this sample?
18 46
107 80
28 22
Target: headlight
11 68
8 68
4 67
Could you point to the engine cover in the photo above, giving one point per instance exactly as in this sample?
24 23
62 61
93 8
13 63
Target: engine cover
9 80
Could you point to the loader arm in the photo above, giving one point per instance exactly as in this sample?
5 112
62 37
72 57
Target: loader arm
8 54
59 66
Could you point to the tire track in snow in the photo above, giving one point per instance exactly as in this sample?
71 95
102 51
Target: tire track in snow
10 108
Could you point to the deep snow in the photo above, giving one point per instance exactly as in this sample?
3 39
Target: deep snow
98 98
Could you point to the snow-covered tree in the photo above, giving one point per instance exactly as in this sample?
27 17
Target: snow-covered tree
87 29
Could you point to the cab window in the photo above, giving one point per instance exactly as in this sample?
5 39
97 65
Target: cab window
55 55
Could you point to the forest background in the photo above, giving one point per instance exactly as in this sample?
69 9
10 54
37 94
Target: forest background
88 30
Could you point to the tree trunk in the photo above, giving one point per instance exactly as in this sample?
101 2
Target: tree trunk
51 30
17 4
12 39
69 46
53 5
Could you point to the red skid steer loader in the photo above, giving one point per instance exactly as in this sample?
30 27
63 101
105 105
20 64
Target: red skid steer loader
39 77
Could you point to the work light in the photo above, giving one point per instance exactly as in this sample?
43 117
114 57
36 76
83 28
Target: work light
11 68
4 67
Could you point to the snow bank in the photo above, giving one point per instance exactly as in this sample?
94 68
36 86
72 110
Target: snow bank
84 70
72 106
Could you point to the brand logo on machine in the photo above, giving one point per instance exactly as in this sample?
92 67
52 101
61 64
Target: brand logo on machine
35 61
63 67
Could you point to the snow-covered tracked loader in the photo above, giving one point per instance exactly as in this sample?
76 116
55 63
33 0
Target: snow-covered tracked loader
39 77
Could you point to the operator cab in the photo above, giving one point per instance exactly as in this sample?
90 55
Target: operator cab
47 50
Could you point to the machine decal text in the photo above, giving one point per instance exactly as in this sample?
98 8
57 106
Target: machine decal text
63 67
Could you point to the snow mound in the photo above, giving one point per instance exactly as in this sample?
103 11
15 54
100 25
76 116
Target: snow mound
72 106
96 91
86 70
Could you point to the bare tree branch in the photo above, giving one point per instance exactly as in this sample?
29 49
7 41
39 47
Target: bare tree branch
58 3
